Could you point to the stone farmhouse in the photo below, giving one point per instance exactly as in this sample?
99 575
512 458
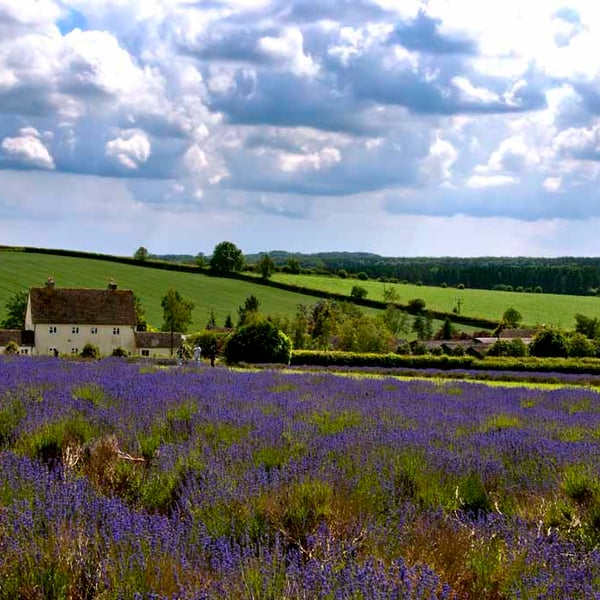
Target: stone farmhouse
63 320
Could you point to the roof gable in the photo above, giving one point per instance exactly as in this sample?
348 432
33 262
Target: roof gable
82 306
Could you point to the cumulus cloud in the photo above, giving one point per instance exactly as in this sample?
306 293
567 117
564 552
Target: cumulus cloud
269 107
130 149
27 150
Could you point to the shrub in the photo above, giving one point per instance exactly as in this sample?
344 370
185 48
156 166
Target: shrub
90 351
358 292
259 342
121 352
549 342
460 286
11 348
362 276
416 305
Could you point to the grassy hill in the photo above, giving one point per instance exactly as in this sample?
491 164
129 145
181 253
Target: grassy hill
20 271
537 309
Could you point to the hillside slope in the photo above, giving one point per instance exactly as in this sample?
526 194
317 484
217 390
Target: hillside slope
20 271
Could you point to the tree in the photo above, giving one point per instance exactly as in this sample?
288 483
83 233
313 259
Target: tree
16 307
395 320
358 292
200 260
416 305
248 309
580 346
177 313
549 342
228 322
141 254
423 327
446 331
226 258
260 342
140 314
511 319
293 266
589 326
212 319
266 266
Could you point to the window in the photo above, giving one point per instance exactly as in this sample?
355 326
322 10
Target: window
24 351
74 350
74 329
53 329
94 330
52 350
145 352
116 331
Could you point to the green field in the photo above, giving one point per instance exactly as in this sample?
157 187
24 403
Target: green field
19 271
537 309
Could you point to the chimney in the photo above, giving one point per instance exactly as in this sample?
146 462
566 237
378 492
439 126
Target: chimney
50 282
112 284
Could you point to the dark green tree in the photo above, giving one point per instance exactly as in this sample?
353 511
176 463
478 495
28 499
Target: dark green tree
228 322
358 292
580 346
177 313
549 342
589 326
249 310
259 342
141 254
212 319
226 258
293 266
16 307
266 266
511 318
140 314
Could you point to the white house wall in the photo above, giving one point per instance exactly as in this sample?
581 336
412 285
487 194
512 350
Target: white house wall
70 339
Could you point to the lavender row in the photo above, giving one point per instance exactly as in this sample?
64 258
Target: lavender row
119 479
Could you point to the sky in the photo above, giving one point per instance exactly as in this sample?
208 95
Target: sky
399 127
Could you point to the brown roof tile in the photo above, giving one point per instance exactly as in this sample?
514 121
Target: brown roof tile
86 306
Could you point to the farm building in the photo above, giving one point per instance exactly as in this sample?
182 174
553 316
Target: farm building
63 320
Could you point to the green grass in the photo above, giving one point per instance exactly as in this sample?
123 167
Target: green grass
20 271
537 309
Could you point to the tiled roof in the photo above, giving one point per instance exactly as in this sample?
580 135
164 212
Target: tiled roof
85 306
518 333
156 339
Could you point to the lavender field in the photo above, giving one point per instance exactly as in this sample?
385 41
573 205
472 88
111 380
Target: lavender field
121 480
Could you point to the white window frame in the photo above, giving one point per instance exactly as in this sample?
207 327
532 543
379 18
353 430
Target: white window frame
74 351
93 330
116 330
145 352
75 329
52 329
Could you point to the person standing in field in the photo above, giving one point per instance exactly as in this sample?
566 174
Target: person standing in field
197 354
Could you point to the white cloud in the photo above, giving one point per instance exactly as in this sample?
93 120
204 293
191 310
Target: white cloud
323 159
130 149
288 49
27 150
482 181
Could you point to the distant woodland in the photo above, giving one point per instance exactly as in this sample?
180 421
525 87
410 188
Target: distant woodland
566 275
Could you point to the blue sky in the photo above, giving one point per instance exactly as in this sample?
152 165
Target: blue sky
440 127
